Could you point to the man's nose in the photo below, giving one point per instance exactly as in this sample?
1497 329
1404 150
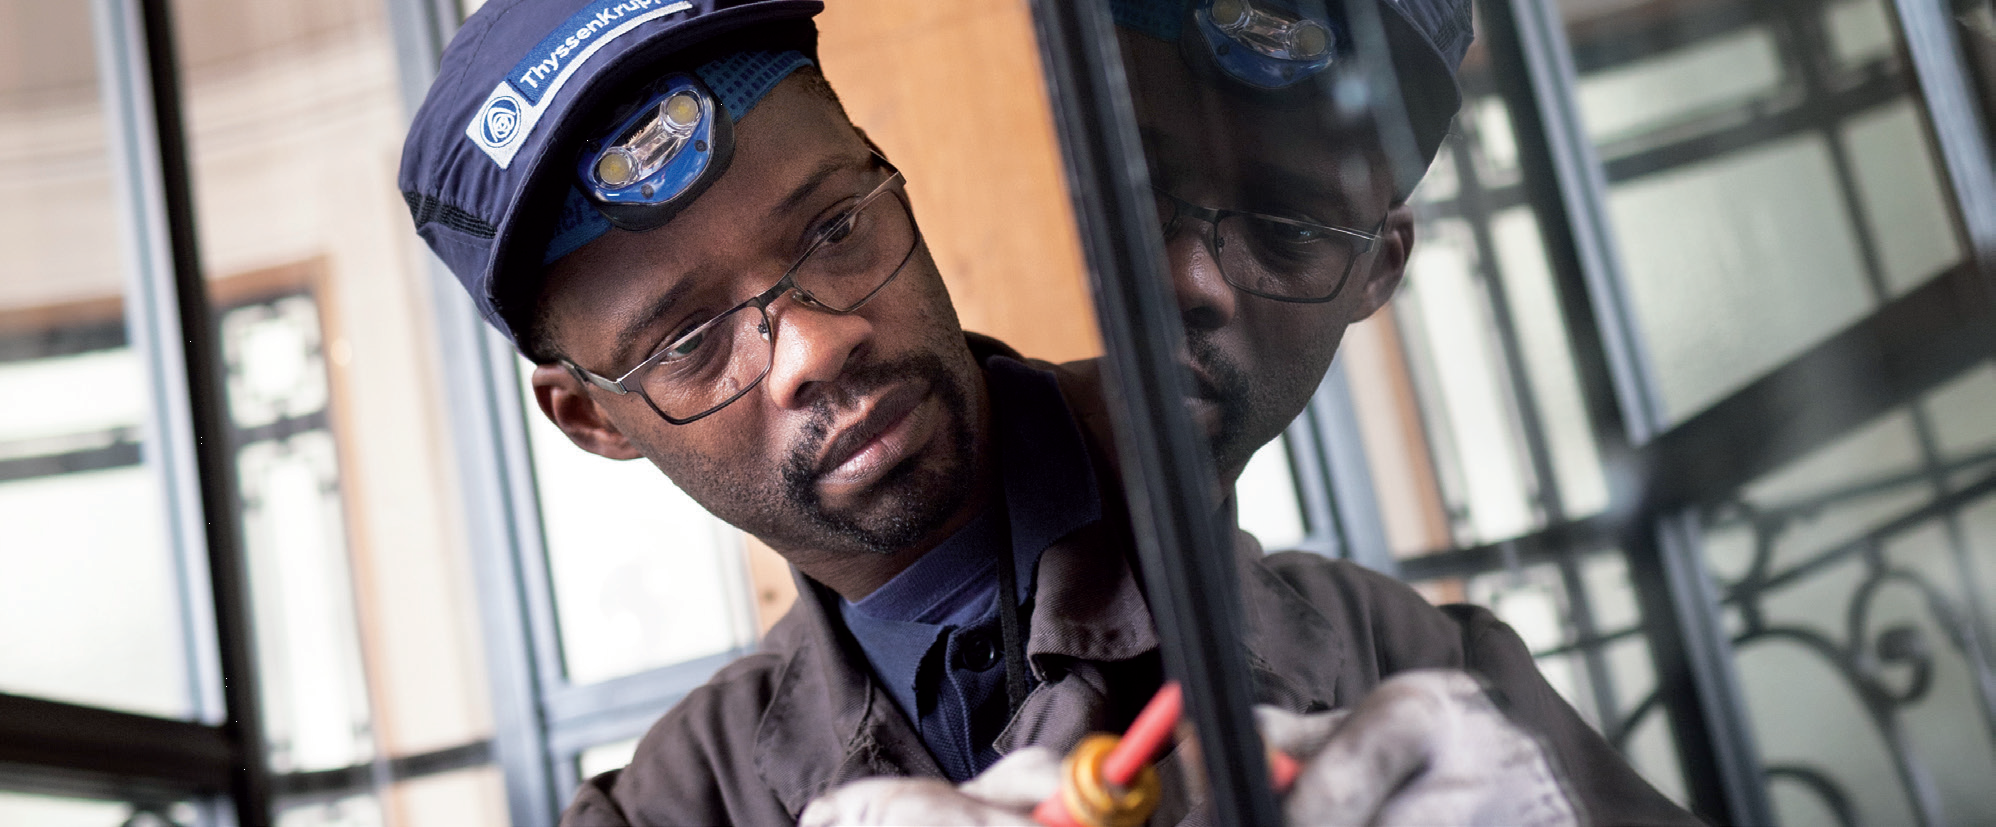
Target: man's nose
1205 299
812 346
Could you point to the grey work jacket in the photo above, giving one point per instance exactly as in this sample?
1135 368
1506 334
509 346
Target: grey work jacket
773 730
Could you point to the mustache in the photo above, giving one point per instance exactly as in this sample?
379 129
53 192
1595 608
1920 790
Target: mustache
935 497
852 388
1215 377
1210 373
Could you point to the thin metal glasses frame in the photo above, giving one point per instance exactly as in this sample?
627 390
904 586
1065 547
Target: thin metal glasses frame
1213 216
760 302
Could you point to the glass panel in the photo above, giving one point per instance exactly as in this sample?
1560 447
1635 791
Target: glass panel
1473 413
1860 579
1738 263
1459 366
1540 327
643 576
1644 96
1506 422
1769 183
1900 195
1502 413
364 612
1860 31
91 607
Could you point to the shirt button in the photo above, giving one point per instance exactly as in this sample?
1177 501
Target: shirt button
976 652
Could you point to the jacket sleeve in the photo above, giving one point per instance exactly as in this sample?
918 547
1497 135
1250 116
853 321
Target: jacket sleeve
1401 631
695 767
593 805
1607 788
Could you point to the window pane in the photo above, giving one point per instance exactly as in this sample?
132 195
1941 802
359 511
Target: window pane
1769 182
1860 574
643 576
363 610
1738 263
92 605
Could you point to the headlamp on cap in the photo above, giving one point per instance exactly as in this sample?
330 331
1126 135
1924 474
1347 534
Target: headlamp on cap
1265 46
659 157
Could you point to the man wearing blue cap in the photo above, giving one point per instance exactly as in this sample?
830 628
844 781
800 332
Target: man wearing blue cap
665 208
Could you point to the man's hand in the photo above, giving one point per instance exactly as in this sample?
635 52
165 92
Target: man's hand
1004 794
1425 747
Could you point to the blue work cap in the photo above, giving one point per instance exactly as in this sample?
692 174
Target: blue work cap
490 154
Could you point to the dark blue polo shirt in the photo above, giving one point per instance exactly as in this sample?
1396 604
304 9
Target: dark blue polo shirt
931 633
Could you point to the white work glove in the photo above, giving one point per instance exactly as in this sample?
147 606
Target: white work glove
1425 747
1005 794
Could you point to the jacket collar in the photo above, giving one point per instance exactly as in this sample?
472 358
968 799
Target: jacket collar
828 721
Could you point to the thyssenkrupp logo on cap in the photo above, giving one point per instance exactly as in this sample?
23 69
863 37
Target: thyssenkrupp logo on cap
502 120
502 125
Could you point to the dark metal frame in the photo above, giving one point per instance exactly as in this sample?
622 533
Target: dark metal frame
1186 558
83 750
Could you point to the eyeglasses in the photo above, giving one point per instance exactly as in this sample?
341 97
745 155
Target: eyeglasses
850 258
1270 256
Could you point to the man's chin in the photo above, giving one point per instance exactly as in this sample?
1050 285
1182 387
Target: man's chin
905 507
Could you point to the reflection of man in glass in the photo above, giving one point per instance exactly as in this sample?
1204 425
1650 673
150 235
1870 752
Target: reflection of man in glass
1284 222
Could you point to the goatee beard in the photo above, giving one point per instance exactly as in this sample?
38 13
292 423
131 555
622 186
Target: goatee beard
920 498
1229 388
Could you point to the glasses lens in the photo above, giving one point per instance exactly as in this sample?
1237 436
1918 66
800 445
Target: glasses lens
1278 258
710 366
858 252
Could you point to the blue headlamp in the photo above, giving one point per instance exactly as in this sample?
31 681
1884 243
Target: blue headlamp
1263 44
659 157
663 154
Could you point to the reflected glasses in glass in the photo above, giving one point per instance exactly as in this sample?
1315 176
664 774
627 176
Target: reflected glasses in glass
1270 256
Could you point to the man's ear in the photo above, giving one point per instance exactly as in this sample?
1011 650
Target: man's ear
1389 261
569 406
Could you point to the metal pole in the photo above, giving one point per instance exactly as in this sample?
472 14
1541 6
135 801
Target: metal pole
1169 479
138 37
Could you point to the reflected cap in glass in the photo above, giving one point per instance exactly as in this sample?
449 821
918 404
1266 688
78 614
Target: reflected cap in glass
490 154
1268 44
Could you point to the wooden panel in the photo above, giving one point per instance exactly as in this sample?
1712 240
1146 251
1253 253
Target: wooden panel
953 93
1396 444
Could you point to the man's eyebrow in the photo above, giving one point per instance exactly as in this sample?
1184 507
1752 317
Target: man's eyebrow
812 183
629 336
1336 200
